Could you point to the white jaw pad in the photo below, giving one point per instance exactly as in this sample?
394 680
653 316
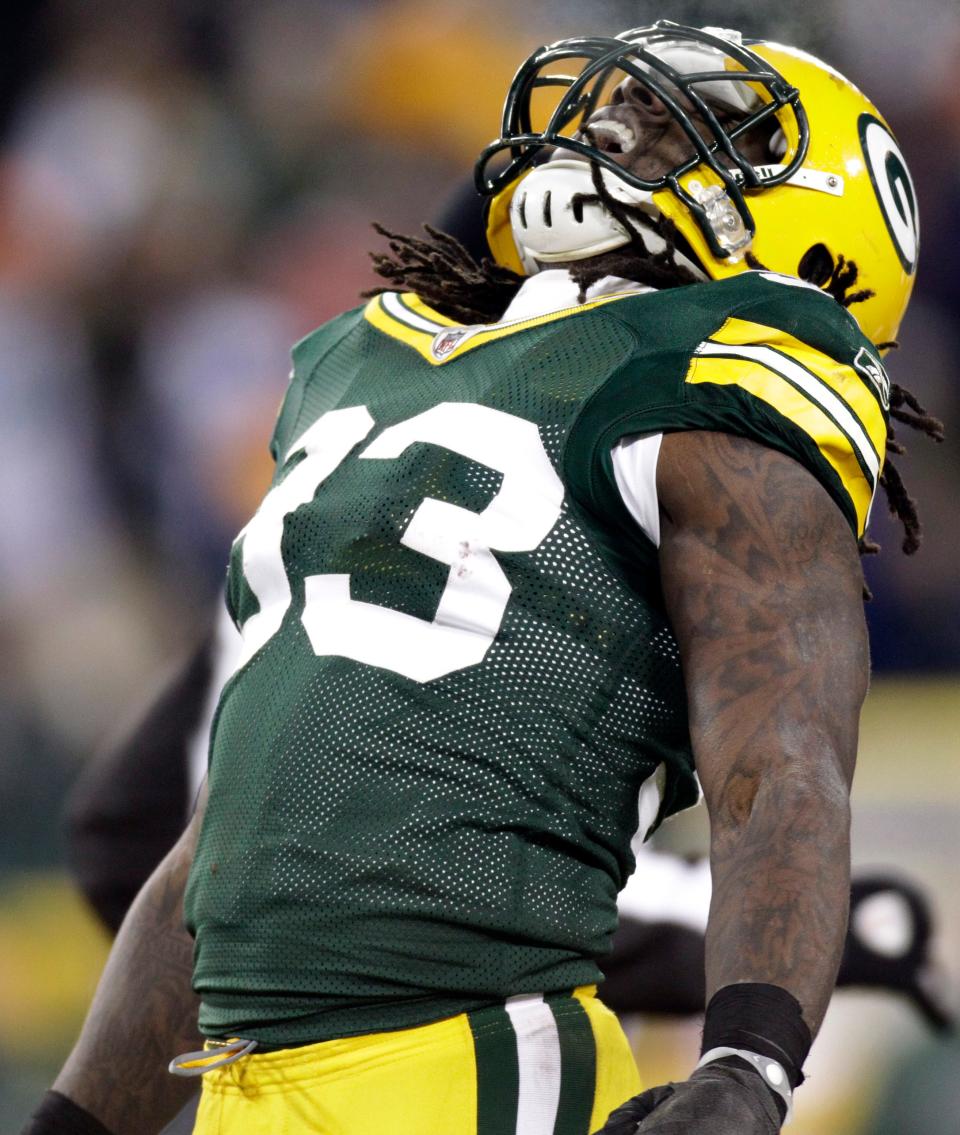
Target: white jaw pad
546 226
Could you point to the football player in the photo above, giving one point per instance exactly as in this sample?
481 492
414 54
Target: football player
546 538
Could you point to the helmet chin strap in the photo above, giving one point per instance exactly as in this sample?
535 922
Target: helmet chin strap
556 217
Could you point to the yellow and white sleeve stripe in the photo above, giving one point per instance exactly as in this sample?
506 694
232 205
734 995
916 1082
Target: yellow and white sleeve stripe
829 401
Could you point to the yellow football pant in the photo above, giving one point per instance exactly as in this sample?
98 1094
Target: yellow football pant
536 1065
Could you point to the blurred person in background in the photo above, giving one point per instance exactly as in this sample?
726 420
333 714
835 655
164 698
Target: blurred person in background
147 293
748 1089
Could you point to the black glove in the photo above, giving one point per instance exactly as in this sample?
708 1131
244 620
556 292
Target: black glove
888 945
723 1098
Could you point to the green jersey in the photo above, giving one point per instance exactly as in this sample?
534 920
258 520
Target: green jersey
457 673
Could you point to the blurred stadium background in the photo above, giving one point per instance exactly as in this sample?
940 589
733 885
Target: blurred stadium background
186 188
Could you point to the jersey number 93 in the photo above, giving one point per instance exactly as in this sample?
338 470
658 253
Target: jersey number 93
477 591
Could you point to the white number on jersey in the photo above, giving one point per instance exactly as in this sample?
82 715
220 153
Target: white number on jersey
475 598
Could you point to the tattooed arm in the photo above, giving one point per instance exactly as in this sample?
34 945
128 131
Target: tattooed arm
764 588
144 1011
762 584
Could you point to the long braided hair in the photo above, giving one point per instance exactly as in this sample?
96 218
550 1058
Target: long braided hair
444 275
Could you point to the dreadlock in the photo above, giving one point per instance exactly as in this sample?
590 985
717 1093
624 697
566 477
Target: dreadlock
900 503
837 278
444 274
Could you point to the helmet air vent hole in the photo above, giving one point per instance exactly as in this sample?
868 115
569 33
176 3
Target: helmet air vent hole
816 265
577 205
547 215
522 210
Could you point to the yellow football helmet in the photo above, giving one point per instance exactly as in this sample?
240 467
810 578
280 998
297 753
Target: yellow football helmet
836 181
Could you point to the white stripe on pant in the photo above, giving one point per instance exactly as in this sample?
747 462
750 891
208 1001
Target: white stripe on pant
538 1057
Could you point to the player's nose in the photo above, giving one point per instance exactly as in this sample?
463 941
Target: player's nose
639 97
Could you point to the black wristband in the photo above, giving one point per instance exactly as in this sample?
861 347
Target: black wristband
58 1115
765 1019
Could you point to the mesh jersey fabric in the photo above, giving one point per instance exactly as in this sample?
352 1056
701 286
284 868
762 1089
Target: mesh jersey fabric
381 850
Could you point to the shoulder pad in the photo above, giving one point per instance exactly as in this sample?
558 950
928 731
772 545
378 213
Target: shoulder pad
308 351
812 369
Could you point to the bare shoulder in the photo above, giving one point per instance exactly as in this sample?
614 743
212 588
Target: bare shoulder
746 493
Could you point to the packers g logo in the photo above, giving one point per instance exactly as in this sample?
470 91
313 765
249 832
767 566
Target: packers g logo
894 188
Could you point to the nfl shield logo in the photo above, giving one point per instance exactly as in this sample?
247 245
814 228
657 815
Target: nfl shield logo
445 342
